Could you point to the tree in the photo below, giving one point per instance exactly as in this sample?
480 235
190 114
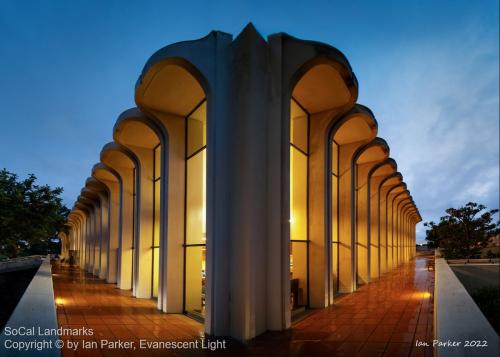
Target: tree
464 231
30 215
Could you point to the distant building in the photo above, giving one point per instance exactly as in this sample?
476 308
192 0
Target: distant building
245 186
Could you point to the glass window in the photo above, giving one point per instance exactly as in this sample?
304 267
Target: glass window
298 195
298 126
335 215
298 274
156 228
196 199
335 158
156 269
335 209
195 279
134 196
299 161
197 130
157 162
155 246
195 220
335 267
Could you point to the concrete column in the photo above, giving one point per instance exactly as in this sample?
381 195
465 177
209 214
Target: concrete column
103 248
320 242
406 238
84 256
399 200
377 247
114 158
90 240
398 225
97 239
347 253
387 194
383 231
171 288
366 250
143 256
83 237
113 228
127 229
244 169
389 232
391 236
402 230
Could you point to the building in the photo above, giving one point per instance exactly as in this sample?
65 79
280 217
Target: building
246 186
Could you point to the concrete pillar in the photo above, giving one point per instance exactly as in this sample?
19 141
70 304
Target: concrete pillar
382 229
90 240
103 244
396 207
366 250
143 251
115 158
173 157
97 239
112 180
320 242
347 252
377 246
391 261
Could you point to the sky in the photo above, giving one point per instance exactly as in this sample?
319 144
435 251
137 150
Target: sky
428 69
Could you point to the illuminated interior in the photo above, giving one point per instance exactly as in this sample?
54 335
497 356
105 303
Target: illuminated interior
134 217
156 220
195 224
299 237
335 215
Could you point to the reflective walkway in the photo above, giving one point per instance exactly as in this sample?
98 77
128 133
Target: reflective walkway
383 318
85 301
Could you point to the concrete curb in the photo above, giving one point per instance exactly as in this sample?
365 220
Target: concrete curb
458 319
36 311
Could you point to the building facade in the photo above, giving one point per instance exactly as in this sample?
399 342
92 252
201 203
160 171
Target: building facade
246 186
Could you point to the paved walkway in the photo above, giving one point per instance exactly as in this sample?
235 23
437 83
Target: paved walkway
383 318
85 301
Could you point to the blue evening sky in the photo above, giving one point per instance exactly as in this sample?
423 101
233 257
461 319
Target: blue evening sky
428 69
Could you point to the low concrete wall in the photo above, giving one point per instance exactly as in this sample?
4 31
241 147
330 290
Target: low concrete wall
484 261
21 263
36 311
458 319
